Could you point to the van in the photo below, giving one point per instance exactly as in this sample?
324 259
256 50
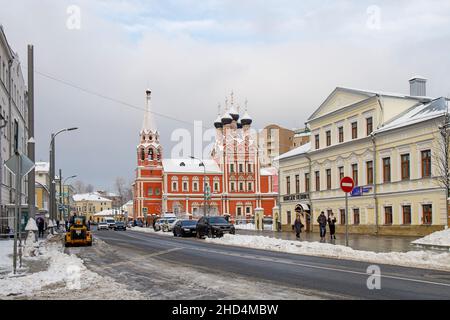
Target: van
111 222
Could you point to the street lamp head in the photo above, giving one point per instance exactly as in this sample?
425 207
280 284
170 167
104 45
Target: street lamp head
71 129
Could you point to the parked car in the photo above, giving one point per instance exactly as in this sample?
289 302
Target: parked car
214 226
168 224
159 223
120 226
102 226
185 228
111 222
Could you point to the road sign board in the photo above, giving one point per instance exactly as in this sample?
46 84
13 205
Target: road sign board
347 184
26 165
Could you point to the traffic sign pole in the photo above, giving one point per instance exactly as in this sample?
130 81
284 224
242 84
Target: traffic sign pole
346 219
347 185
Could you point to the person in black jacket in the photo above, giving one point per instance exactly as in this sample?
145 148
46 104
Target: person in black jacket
332 225
322 220
298 225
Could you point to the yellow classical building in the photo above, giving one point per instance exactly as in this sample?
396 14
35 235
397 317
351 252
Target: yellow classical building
87 204
390 144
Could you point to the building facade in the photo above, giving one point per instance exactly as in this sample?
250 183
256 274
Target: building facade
231 183
13 126
389 144
88 204
274 140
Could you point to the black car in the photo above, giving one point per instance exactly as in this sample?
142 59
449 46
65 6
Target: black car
185 228
213 227
120 226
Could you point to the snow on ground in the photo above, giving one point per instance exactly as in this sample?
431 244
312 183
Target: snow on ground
438 238
419 259
150 230
57 275
251 226
6 249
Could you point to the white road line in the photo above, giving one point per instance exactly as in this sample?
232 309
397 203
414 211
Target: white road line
313 266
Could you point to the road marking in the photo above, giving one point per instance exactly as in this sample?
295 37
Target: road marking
275 260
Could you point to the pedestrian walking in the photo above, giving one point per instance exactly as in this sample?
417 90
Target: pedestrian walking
298 225
41 227
322 220
332 225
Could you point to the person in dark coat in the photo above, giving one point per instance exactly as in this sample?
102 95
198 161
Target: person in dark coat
322 220
41 227
298 225
332 225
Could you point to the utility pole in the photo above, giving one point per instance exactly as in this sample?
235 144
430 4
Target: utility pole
52 177
31 142
60 195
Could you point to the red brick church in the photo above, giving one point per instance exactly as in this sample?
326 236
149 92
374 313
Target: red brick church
235 183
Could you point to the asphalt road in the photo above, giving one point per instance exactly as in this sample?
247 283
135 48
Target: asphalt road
160 266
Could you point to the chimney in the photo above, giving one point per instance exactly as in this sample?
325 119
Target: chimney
418 86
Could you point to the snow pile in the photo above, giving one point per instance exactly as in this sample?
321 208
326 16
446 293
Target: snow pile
150 230
419 259
438 238
6 250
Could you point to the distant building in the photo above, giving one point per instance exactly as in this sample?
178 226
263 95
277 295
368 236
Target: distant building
14 128
116 199
274 140
301 137
88 204
235 183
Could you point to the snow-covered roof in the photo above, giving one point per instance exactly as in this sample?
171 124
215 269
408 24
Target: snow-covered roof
42 167
190 166
295 152
416 114
89 197
269 171
108 213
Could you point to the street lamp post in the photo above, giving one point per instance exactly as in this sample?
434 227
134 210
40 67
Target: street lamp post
204 183
68 194
52 172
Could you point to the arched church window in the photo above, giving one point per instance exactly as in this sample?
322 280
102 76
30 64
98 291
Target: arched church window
150 154
158 154
142 154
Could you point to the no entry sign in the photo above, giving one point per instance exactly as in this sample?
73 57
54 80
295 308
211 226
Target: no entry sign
347 184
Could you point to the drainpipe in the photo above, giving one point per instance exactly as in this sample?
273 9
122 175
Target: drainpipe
309 194
375 196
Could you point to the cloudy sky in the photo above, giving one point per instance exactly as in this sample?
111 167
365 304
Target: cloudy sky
283 56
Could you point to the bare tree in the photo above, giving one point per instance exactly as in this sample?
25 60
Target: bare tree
80 187
123 189
442 157
89 188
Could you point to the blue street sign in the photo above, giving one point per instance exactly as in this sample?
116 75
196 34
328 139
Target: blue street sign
359 191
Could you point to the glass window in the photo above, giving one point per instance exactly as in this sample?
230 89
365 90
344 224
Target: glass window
354 130
387 215
355 173
369 125
386 169
328 179
369 166
297 183
288 185
317 180
341 134
406 214
306 182
342 212
328 136
356 216
316 137
426 163
150 191
341 173
405 166
427 214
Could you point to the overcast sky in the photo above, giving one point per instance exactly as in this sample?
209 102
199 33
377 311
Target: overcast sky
285 57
